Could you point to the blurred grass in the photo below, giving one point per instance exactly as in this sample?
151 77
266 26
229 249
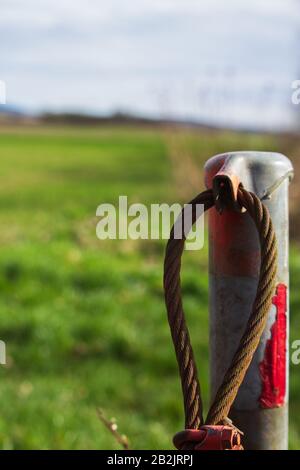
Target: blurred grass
84 320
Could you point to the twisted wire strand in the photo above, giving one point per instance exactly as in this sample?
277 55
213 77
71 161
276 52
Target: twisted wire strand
234 376
179 331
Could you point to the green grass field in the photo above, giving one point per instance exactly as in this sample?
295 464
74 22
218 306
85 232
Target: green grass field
84 320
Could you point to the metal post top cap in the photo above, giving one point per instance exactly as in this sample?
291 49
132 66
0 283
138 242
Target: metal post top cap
261 172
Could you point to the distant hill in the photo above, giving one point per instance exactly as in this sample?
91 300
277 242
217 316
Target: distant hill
11 110
118 118
89 119
11 114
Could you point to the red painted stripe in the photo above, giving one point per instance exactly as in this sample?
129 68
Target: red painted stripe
273 366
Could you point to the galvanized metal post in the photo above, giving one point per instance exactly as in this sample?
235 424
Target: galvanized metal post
260 409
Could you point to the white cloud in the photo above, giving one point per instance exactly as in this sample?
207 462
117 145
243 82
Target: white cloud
109 49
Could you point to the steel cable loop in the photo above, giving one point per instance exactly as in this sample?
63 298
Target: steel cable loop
179 331
234 376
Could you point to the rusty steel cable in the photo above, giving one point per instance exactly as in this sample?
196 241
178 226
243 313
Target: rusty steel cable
234 376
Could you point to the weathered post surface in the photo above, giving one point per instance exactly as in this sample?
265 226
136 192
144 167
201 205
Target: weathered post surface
260 409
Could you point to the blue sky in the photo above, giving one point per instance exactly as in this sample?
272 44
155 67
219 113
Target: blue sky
216 61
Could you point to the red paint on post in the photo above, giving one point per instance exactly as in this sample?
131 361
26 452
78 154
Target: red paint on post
235 248
273 367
